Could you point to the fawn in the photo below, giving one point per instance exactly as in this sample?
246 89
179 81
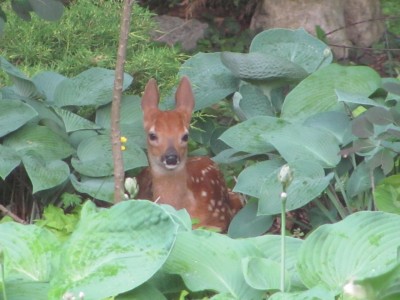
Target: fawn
193 183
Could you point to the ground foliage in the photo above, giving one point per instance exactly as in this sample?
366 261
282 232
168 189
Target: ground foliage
336 127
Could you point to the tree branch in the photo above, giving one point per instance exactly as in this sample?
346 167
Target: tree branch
116 102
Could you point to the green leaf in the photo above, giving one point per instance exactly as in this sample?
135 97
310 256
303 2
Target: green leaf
320 146
211 80
44 174
91 87
263 274
355 98
49 10
297 46
246 223
101 188
387 194
248 135
121 247
74 122
360 179
95 157
211 261
48 82
22 290
363 245
250 180
41 140
28 250
317 93
315 293
260 67
309 181
9 160
13 115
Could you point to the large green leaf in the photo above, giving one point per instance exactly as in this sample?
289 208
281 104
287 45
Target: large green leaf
22 290
317 93
309 181
361 178
211 80
48 82
95 157
50 10
315 293
363 245
296 142
248 135
297 46
114 250
9 160
23 86
28 250
211 261
14 114
41 140
91 87
44 174
74 122
387 194
101 188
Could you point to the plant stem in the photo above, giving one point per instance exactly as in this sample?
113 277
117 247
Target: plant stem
336 202
324 210
342 191
283 240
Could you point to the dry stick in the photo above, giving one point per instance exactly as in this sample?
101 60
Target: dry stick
116 102
7 212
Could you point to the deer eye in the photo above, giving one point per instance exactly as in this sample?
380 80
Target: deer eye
152 136
185 137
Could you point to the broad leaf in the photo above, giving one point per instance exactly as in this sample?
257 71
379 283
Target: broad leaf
361 179
211 80
95 157
361 246
50 10
101 188
48 82
44 174
309 181
355 98
315 293
28 251
9 160
74 122
387 194
91 87
41 140
13 115
297 46
22 290
248 136
317 93
120 247
296 142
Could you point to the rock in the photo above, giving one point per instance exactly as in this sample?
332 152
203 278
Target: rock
172 30
337 16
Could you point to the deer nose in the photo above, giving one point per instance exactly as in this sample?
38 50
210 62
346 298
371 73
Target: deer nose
171 158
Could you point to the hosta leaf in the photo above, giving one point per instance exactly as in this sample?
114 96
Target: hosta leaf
48 82
22 290
250 180
28 250
101 188
311 294
14 114
309 144
317 93
360 179
74 122
309 181
120 247
361 246
9 160
211 261
44 174
91 87
251 102
355 98
211 80
49 10
297 46
387 194
41 140
248 135
95 157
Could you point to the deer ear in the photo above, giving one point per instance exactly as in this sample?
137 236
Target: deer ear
184 98
151 96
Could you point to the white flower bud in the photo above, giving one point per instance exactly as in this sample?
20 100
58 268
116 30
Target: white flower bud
131 186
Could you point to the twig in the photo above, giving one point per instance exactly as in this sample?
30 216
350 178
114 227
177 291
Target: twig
7 212
116 102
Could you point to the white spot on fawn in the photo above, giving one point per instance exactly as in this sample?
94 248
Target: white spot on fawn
203 193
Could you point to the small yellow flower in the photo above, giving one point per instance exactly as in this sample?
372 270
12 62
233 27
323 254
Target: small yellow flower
123 148
123 139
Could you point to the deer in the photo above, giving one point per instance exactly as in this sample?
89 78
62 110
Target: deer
192 183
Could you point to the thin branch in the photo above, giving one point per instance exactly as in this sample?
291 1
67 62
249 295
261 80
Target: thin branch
116 102
7 212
